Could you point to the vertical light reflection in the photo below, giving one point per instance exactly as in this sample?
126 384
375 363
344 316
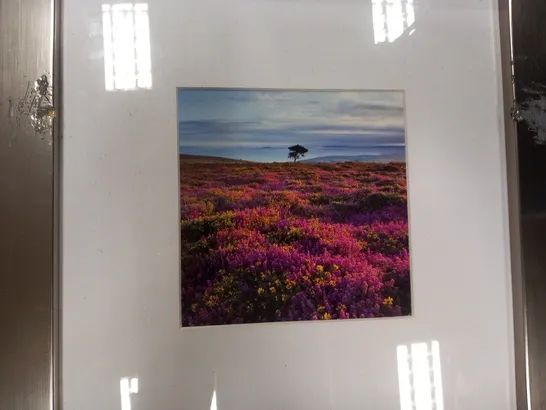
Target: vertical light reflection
108 51
213 401
395 20
127 387
123 37
420 377
391 18
404 378
437 376
379 21
126 36
142 45
410 13
422 385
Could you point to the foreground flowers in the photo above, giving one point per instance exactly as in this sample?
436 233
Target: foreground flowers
283 242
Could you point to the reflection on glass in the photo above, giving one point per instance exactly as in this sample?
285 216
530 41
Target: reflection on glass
437 375
127 387
213 401
420 377
404 378
126 34
391 18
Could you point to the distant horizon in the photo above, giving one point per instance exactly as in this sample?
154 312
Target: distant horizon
305 159
259 126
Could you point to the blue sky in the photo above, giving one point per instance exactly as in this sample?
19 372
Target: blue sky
259 125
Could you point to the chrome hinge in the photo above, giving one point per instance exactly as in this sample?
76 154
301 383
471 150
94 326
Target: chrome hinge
515 112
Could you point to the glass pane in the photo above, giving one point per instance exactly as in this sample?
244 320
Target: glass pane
236 169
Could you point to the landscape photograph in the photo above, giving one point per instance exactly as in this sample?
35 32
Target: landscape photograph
293 206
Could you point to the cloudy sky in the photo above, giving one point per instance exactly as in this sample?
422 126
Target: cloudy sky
260 125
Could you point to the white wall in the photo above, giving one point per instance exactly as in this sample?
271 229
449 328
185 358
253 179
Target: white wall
120 234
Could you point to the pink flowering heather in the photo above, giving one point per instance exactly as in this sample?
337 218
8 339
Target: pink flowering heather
265 242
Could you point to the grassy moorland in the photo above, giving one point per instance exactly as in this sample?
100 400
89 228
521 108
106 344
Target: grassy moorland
264 242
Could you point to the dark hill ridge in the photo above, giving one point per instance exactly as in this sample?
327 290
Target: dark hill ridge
395 157
319 160
204 158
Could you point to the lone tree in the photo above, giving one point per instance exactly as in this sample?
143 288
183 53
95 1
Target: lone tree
297 152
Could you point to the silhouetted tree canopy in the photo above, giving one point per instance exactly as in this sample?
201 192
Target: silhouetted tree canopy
297 152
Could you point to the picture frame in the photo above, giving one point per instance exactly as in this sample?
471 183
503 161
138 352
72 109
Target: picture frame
56 296
137 193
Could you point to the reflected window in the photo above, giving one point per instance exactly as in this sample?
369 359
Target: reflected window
126 33
127 387
391 18
213 401
420 377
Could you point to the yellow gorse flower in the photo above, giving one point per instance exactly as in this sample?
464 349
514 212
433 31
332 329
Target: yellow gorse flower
319 281
213 301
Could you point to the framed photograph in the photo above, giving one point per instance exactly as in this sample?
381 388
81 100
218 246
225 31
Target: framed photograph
293 205
285 205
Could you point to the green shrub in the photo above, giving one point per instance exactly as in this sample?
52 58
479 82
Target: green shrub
379 200
194 229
